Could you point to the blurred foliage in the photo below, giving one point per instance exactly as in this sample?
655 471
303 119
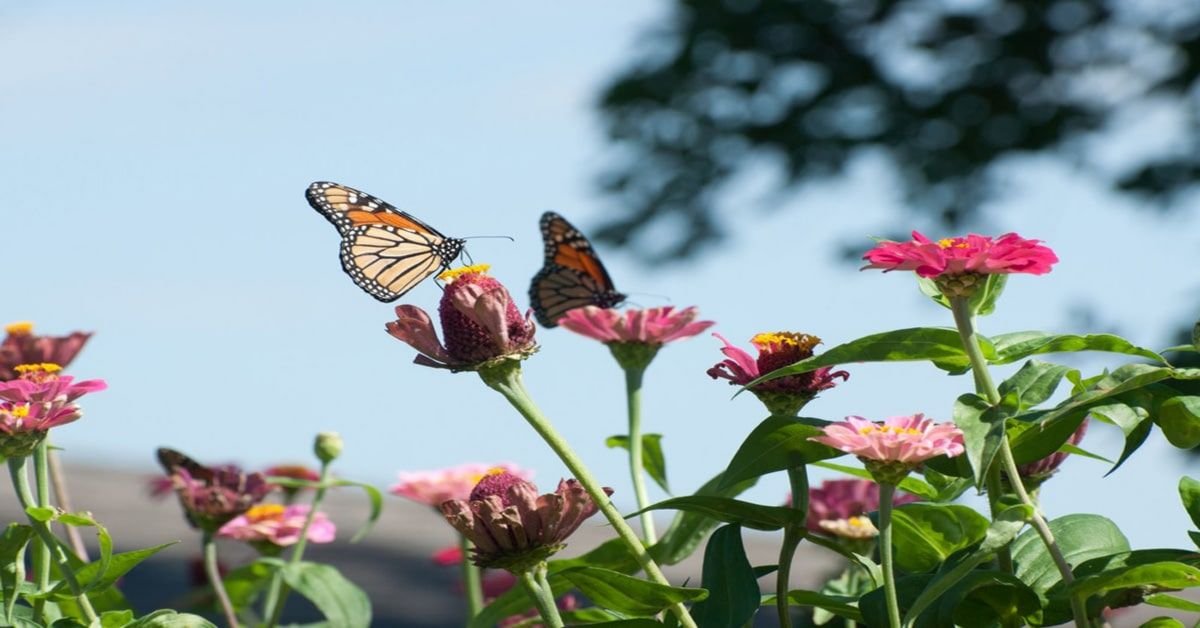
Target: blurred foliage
947 90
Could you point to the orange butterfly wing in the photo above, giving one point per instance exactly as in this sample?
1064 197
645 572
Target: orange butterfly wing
572 275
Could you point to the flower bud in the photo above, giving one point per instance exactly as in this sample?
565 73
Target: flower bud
328 446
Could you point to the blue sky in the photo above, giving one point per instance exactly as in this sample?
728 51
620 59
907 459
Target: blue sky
157 154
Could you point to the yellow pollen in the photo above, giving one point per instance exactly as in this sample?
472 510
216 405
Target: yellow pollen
888 429
44 367
264 512
497 471
785 339
952 243
455 273
858 522
21 411
19 328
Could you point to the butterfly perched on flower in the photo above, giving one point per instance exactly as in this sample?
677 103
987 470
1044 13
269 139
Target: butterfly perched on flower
571 277
384 250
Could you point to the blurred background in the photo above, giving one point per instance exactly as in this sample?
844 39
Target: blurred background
735 155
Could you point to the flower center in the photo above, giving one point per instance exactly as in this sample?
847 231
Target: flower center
454 273
264 512
774 341
952 243
19 328
888 429
38 373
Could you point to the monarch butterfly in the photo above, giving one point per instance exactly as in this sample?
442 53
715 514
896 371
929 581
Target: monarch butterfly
572 276
384 250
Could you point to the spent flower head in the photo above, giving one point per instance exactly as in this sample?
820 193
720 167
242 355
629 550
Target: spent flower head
890 450
434 487
211 496
272 527
22 346
39 399
480 322
514 528
958 265
635 335
782 395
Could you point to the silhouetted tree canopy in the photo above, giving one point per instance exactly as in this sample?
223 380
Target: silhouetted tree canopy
946 89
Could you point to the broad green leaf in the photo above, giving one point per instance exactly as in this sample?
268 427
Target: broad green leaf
1189 493
1162 600
627 594
1179 419
167 618
924 535
940 345
1135 423
376 499
908 484
100 577
116 619
41 513
67 622
12 563
730 580
653 461
339 600
779 442
840 605
1125 379
982 302
874 607
688 529
1034 383
1081 537
1164 575
948 487
1022 344
983 431
731 511
983 597
1163 622
246 583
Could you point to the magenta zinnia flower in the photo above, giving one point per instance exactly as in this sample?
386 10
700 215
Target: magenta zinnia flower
891 449
21 346
434 487
274 526
839 507
39 400
514 528
957 264
211 496
783 395
480 322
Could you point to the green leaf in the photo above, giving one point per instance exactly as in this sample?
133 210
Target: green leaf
686 531
1022 344
637 622
339 600
925 535
1034 383
1163 575
626 594
41 514
779 442
376 498
840 605
654 462
1135 423
116 619
1179 419
940 345
730 579
244 584
1081 537
1189 493
731 511
12 563
983 597
1163 622
167 618
1162 600
983 432
100 577
908 484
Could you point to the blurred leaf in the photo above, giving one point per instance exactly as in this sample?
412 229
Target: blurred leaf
1162 600
626 594
244 584
778 443
339 600
170 619
1163 622
101 577
12 563
1189 493
730 580
376 499
116 619
653 461
1179 419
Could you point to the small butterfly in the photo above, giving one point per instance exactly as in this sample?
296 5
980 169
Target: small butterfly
172 461
384 250
571 277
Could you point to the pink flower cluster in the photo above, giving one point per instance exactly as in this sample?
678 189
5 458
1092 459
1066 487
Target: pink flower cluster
22 346
651 326
434 487
837 502
278 525
1009 253
906 439
41 399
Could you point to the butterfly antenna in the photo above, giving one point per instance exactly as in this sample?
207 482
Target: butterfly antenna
509 238
647 294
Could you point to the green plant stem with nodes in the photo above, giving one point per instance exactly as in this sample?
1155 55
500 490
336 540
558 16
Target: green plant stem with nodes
505 378
792 535
633 392
213 571
20 480
278 594
543 598
886 493
472 578
41 551
983 382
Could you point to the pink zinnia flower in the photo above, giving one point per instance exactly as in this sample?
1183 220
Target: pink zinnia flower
21 346
1038 471
277 525
652 326
434 487
1009 253
448 556
514 528
211 496
39 400
783 395
893 448
840 507
295 472
480 322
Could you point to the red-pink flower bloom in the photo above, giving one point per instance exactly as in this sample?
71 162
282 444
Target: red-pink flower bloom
838 505
514 528
448 556
651 326
775 351
434 487
295 472
39 400
211 496
480 322
1039 471
21 346
278 525
1009 253
895 446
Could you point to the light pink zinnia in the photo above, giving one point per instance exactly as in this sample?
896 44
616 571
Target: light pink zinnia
651 326
434 487
1009 253
480 322
903 441
278 525
22 346
834 506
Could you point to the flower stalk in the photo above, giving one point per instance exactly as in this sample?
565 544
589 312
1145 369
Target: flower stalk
505 378
542 596
983 382
633 393
886 492
213 571
278 594
472 578
792 535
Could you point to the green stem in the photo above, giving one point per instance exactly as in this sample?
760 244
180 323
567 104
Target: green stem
506 380
886 491
472 578
41 551
20 480
213 571
633 392
278 594
792 535
966 330
542 598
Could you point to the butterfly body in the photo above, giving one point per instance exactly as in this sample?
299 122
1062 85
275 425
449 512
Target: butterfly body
572 276
384 250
